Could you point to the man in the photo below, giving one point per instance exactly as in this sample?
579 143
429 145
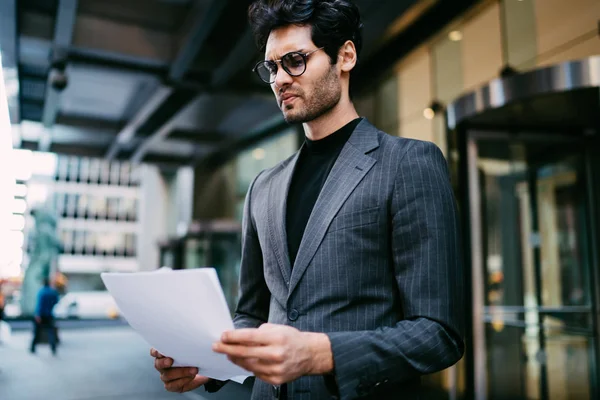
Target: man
44 318
351 276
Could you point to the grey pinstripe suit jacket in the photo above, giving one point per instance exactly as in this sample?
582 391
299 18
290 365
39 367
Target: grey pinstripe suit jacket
378 268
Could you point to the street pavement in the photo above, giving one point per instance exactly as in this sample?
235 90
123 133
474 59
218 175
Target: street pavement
101 363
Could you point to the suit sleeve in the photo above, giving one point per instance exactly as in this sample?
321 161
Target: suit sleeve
253 306
428 271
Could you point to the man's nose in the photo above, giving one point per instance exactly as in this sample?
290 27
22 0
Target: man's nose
282 78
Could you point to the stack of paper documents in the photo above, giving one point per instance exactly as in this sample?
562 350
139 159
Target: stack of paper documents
179 313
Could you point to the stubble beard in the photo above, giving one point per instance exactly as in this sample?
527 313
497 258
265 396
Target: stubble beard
325 96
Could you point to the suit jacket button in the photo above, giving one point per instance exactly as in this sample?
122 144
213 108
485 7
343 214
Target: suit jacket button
293 314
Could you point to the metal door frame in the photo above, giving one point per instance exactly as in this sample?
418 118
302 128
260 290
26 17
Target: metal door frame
470 192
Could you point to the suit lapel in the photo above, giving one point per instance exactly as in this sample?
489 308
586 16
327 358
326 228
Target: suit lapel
277 216
349 169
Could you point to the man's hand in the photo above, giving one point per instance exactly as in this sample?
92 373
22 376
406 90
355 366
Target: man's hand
177 379
277 354
38 319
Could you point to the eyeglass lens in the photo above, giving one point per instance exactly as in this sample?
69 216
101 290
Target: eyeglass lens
293 63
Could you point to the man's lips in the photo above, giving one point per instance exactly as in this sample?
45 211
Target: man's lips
287 98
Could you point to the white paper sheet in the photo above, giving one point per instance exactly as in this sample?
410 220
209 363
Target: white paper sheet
179 313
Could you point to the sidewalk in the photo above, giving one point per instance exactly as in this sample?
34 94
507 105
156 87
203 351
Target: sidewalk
93 364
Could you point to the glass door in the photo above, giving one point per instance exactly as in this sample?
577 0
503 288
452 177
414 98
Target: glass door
532 269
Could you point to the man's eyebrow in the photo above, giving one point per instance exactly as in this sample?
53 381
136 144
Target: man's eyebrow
300 50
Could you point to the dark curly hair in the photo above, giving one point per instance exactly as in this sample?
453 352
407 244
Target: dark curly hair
333 22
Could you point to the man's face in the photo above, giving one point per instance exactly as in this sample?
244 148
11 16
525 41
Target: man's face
308 96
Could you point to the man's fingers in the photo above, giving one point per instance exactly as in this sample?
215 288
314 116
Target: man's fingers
250 336
249 364
268 372
198 381
267 353
163 363
179 379
172 374
177 385
254 365
186 384
155 353
272 379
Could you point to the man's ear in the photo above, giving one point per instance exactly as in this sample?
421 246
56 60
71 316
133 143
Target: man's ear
348 56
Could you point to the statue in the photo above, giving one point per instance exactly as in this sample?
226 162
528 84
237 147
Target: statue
45 249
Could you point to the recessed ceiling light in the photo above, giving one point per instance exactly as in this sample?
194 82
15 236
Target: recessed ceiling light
258 154
455 36
429 113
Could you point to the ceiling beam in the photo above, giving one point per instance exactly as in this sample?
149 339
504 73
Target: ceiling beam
128 132
68 134
76 150
9 55
239 57
118 61
150 141
82 137
66 149
203 23
79 122
224 73
63 35
144 90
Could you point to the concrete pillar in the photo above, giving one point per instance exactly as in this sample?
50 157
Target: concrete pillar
180 200
165 210
153 207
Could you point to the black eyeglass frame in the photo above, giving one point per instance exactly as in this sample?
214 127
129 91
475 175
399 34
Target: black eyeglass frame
304 59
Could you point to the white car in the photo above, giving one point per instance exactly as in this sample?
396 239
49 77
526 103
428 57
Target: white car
92 304
12 310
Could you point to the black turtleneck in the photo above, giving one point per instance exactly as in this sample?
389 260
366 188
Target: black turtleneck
313 166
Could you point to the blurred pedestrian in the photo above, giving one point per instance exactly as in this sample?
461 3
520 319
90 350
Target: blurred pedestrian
44 318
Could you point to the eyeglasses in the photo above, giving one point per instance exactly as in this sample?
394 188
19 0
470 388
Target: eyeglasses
294 63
